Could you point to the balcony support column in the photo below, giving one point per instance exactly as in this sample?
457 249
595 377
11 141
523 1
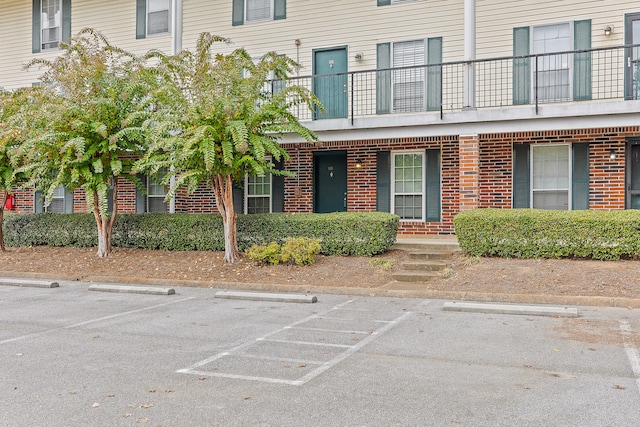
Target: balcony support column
469 53
469 170
176 47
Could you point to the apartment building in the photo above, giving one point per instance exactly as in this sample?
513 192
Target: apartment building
431 106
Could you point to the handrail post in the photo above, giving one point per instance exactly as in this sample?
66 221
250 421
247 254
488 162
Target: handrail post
352 97
535 82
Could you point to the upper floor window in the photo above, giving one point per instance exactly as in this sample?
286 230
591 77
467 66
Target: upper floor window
51 24
408 83
258 10
554 71
158 13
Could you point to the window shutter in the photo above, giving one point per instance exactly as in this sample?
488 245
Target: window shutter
280 9
141 199
68 201
521 176
238 198
521 67
383 79
582 61
580 176
66 20
141 19
35 28
432 185
237 15
38 201
434 74
384 2
383 181
277 189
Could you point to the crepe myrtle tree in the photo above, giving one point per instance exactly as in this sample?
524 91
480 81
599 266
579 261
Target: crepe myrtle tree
94 96
216 119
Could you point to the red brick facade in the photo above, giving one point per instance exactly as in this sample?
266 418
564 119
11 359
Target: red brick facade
476 171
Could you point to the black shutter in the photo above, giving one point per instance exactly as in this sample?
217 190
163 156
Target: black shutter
237 14
580 176
384 2
141 19
238 198
35 27
383 181
68 201
280 9
521 185
432 185
582 61
141 198
277 189
66 20
521 67
38 201
383 78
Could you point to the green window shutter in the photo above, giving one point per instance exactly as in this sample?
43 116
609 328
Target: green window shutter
237 15
277 189
580 176
383 181
35 28
238 198
141 199
280 9
383 78
432 185
68 201
38 201
434 74
384 2
141 19
521 176
582 61
66 20
521 67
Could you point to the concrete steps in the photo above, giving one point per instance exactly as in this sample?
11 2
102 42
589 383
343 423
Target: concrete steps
427 258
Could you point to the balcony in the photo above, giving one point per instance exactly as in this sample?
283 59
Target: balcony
579 84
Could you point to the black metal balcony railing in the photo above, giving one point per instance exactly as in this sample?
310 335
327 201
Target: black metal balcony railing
572 76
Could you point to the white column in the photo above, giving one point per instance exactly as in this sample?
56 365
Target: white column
469 53
176 47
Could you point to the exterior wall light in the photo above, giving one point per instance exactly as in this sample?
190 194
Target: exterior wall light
612 154
358 163
608 30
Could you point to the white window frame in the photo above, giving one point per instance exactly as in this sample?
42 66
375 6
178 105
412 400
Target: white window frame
422 71
248 196
393 183
152 182
251 21
537 147
44 26
569 58
149 11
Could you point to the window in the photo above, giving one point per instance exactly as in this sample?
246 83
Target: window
61 202
550 177
408 185
258 194
158 13
156 193
554 71
409 83
51 24
258 11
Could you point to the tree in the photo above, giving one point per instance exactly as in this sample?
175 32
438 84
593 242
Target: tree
18 115
90 139
216 120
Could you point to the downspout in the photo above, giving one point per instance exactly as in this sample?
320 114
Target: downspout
469 53
176 47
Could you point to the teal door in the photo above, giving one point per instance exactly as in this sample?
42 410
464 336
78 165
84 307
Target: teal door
633 175
632 68
330 83
330 182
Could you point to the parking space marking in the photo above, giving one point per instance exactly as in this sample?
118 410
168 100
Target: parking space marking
632 352
87 322
239 352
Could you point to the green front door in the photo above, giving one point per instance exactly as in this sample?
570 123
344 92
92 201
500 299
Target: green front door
633 174
330 83
330 182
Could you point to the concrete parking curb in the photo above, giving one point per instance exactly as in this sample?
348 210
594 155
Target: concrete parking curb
264 296
146 290
28 283
529 310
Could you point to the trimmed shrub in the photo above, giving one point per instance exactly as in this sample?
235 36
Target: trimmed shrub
347 233
300 251
265 253
534 233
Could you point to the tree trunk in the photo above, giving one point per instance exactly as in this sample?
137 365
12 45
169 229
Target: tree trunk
3 200
105 223
223 191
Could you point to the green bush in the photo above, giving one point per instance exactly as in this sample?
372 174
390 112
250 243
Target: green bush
356 234
265 253
300 251
533 233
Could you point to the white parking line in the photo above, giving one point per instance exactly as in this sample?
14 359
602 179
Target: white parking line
37 334
632 352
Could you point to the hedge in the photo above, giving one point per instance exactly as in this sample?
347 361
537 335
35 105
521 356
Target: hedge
349 233
534 233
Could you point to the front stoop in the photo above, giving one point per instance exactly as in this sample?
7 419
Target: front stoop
427 258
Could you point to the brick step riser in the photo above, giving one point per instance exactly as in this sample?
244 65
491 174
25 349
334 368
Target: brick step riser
426 247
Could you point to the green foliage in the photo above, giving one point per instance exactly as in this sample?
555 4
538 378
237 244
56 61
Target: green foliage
384 264
266 253
300 251
357 234
532 233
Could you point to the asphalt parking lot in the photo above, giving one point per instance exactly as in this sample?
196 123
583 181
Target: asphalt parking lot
71 357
